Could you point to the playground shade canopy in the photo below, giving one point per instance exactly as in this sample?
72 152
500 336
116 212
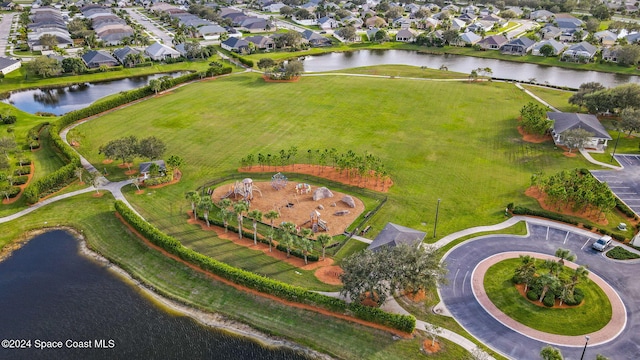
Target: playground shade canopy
394 235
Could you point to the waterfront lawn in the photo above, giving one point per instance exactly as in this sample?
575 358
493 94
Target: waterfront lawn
106 235
559 99
404 71
437 140
591 316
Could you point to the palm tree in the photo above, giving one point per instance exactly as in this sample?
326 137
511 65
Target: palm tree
239 208
324 240
255 215
548 282
78 172
288 229
271 215
270 232
565 254
550 353
306 246
194 198
135 181
206 204
224 213
580 273
526 272
553 266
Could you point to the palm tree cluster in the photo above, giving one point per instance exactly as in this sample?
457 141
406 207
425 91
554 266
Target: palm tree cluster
363 166
576 188
552 284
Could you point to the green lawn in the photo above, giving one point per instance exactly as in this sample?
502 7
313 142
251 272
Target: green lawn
592 315
404 71
556 98
468 155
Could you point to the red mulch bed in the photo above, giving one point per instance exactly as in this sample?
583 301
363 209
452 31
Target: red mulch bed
587 213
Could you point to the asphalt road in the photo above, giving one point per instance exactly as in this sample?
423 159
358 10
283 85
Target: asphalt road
624 183
156 34
460 301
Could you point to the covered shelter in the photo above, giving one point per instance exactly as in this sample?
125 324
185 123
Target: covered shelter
563 122
394 235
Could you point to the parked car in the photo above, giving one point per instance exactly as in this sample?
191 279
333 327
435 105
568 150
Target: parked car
602 243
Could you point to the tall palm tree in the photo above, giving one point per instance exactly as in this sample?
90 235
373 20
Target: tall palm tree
224 205
271 215
255 216
548 282
288 230
565 254
239 208
553 266
206 204
324 240
270 233
580 273
306 246
194 199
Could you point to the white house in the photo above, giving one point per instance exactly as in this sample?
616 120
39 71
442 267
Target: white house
563 122
8 65
160 52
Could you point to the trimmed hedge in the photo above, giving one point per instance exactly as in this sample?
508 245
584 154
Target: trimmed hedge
13 191
24 170
520 210
261 283
243 60
19 180
625 209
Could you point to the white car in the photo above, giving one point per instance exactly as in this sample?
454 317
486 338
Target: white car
602 243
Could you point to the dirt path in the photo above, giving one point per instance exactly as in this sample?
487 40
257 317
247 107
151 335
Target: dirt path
263 295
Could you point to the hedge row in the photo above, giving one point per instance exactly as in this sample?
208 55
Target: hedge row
33 135
19 180
159 180
243 60
625 209
62 176
260 283
520 210
23 170
618 237
13 191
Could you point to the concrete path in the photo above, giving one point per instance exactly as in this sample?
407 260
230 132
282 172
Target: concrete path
536 97
587 156
362 239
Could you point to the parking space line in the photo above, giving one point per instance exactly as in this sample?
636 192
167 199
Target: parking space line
565 238
585 244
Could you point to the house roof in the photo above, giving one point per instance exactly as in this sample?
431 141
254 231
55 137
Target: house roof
394 235
405 33
145 166
236 43
157 49
98 57
470 38
122 53
568 121
522 41
606 35
557 46
494 40
6 62
583 46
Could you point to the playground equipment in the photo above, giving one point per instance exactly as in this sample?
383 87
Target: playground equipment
279 181
244 189
303 188
316 222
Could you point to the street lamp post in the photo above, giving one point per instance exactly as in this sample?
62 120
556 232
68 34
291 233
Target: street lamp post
585 347
435 224
615 147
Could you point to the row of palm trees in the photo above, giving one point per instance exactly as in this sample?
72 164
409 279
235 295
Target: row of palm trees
287 232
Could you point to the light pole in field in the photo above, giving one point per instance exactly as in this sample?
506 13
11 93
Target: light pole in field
435 224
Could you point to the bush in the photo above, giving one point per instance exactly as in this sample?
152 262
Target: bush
533 295
625 209
24 162
159 180
519 210
260 283
578 295
13 191
22 170
549 300
19 180
620 253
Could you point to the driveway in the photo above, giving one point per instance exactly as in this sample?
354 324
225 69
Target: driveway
624 183
460 301
153 31
5 30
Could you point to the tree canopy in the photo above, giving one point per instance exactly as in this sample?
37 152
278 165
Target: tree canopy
534 119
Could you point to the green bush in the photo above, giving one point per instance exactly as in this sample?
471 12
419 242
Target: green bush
533 295
620 253
13 191
549 300
625 209
159 180
23 162
258 282
22 170
19 180
520 210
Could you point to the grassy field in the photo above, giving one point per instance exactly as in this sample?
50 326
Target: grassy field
591 316
468 155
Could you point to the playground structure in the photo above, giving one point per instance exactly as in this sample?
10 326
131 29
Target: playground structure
316 222
244 189
279 181
303 188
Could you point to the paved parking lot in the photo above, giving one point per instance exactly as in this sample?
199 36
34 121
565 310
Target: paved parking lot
624 183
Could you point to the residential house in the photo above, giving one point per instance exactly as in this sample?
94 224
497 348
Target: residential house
470 9
550 32
159 52
235 44
327 23
406 35
255 24
7 6
494 19
262 42
457 24
493 42
274 7
315 39
122 53
468 17
211 32
395 235
353 21
371 33
375 21
610 54
466 39
480 27
580 51
411 8
402 23
633 38
563 122
97 58
520 46
516 10
542 15
556 45
606 38
489 11
8 65
452 9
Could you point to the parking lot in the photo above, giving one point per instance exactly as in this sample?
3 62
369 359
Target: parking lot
624 183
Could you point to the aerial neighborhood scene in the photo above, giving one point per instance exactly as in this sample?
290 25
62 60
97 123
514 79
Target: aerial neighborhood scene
363 179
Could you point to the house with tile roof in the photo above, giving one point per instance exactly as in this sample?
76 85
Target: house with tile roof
563 122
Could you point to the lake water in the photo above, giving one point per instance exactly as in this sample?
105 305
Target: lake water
49 292
62 100
464 64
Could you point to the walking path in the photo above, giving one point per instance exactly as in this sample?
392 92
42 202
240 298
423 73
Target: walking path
536 97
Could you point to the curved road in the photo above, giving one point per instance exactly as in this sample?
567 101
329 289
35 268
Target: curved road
543 238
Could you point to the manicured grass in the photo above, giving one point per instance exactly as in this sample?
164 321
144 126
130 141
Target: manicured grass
404 71
350 247
620 253
106 235
556 98
458 150
592 315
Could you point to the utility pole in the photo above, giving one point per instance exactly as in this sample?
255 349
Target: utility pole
435 224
